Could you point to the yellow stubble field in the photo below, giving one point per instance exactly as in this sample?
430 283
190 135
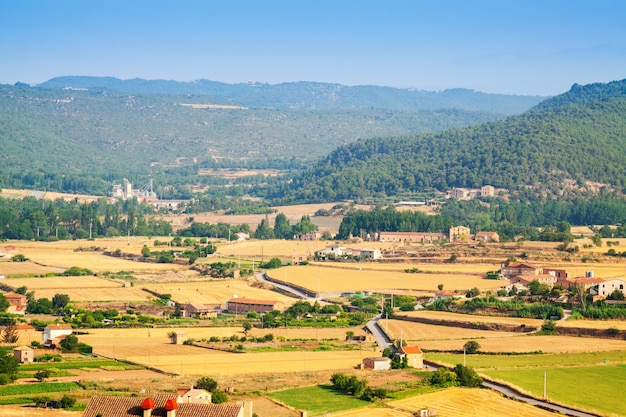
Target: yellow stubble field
468 402
434 337
89 288
329 279
151 347
61 255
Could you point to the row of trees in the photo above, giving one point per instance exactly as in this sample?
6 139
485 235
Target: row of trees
30 218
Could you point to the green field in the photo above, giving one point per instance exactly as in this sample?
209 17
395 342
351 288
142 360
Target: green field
318 400
593 388
78 364
591 381
38 388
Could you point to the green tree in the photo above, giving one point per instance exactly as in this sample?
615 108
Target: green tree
282 228
219 397
59 301
246 327
9 335
42 375
69 343
471 347
4 304
264 231
9 366
206 383
443 377
272 264
467 377
617 294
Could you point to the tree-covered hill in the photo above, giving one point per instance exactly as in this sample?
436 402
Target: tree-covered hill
80 140
571 142
310 95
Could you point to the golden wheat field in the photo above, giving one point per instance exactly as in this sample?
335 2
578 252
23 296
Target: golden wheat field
151 347
531 343
328 279
447 316
469 402
61 255
594 324
411 331
452 268
15 411
371 412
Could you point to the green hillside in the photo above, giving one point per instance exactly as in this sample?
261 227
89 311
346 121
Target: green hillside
80 140
572 143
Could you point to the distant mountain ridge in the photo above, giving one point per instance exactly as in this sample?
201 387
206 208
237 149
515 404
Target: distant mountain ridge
310 95
574 142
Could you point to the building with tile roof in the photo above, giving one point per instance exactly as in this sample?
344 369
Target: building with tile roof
160 405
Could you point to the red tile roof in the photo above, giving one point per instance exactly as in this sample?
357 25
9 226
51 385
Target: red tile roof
132 406
411 349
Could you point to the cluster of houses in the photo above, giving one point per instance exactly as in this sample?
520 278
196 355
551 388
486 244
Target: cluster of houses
235 305
521 274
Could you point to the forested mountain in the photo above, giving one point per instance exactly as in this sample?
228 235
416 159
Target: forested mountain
81 140
309 95
568 144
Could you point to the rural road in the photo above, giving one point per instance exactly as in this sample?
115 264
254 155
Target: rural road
382 340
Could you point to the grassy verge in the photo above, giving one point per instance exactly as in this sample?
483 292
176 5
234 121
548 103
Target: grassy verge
38 388
100 363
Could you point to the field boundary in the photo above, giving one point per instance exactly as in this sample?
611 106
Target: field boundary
498 327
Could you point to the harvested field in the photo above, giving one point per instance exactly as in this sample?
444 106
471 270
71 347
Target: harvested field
531 343
151 347
372 412
61 255
433 268
16 411
410 331
469 402
8 268
594 324
447 316
331 279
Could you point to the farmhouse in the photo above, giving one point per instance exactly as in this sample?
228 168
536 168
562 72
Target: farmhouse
512 269
587 282
380 363
547 279
202 311
368 253
334 251
414 356
308 236
54 333
193 395
487 237
606 288
459 233
17 303
162 405
245 305
411 237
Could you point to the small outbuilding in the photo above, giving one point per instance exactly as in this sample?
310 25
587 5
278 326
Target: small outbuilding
24 354
380 363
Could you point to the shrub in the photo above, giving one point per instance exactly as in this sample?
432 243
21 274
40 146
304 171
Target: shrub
443 378
467 377
219 397
471 347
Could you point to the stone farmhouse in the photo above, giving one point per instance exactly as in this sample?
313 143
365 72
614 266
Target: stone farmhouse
202 311
414 356
378 363
509 270
17 303
411 237
469 193
245 305
606 288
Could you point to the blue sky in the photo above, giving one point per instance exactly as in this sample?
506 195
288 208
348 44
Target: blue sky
538 47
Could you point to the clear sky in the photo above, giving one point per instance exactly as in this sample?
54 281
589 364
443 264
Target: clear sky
538 47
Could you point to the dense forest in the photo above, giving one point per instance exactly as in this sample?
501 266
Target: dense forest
567 146
79 141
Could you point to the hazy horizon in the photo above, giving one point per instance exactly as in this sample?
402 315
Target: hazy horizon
532 47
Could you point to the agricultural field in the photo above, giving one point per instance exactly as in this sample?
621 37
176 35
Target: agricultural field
565 375
58 256
448 316
329 279
418 332
466 402
151 347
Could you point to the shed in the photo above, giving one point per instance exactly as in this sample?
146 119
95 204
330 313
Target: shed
380 363
24 354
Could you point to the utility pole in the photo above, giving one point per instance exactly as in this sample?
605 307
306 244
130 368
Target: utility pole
545 397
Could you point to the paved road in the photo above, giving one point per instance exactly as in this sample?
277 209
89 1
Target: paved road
382 340
286 288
